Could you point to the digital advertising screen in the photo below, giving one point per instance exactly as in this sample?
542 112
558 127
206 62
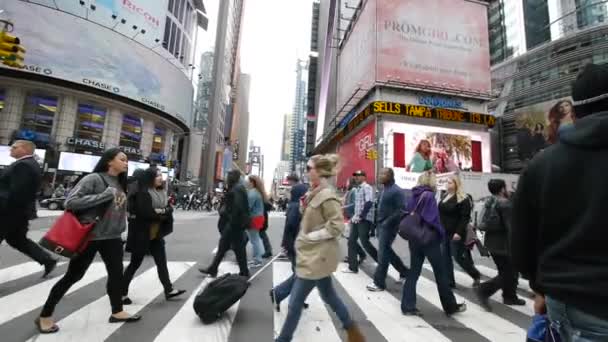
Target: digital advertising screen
77 162
93 49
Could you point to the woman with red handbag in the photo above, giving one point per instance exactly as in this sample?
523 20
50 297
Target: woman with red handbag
152 220
106 187
256 197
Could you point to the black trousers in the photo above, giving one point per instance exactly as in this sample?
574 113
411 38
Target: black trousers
463 257
15 234
506 279
360 231
234 240
266 242
111 254
157 249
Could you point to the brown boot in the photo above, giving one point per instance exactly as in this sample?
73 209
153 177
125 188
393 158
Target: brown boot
354 334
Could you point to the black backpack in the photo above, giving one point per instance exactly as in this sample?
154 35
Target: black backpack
491 220
218 296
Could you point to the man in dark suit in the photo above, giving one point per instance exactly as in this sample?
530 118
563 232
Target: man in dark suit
19 184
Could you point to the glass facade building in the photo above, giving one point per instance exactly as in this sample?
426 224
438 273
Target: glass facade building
538 47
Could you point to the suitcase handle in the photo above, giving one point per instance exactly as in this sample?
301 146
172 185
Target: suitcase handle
256 274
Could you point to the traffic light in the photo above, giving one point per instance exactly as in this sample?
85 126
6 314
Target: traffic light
11 52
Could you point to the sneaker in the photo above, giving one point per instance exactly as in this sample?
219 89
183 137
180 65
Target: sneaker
266 255
345 260
374 288
362 260
49 267
126 301
514 301
255 264
348 270
484 300
476 283
414 312
401 279
459 309
174 293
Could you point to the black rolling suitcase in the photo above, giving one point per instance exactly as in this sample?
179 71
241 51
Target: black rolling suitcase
220 294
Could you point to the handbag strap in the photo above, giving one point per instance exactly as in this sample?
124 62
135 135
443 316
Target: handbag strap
417 204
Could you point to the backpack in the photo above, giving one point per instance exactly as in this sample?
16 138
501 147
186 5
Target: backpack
491 220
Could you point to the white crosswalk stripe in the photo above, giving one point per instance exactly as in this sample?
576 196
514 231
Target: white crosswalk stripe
378 312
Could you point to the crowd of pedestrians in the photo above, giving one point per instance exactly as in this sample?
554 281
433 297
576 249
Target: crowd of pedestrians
550 232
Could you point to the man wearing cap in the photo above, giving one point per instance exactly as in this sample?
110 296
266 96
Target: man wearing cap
362 221
558 237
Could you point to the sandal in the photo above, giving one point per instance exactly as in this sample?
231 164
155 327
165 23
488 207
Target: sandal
52 330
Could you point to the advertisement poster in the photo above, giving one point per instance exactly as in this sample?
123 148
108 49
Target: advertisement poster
68 47
357 60
417 148
425 43
538 126
352 154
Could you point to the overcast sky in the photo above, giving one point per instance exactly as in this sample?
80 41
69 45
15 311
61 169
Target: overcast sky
275 34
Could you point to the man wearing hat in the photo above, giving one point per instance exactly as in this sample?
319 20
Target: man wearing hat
362 222
558 237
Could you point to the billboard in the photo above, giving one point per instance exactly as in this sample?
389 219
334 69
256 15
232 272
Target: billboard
357 60
424 43
68 47
417 148
538 125
352 154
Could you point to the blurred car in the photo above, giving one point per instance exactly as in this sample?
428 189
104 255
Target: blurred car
55 203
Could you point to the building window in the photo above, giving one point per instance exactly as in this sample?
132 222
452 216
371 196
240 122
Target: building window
90 121
130 133
178 30
158 139
38 115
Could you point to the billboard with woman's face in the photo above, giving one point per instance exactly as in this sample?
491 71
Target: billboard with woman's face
539 125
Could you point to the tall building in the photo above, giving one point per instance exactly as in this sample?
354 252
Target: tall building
298 120
532 81
311 97
375 101
223 94
128 82
240 124
286 142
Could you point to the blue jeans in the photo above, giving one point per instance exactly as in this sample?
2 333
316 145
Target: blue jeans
575 325
386 255
256 243
283 290
301 289
437 260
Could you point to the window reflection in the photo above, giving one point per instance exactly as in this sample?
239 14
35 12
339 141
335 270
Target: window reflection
130 133
38 115
90 121
158 140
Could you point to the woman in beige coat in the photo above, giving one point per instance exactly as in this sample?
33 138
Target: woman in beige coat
317 249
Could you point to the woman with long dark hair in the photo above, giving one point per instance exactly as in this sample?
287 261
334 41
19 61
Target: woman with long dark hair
256 197
102 195
561 112
152 221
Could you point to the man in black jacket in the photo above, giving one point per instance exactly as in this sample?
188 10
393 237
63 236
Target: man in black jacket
558 237
234 219
497 224
19 184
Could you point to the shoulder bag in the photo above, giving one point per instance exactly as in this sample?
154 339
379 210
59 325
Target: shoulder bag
414 229
69 237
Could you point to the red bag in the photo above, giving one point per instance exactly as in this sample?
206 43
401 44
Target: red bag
67 237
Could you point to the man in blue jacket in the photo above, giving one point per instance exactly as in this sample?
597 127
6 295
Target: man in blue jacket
391 205
292 228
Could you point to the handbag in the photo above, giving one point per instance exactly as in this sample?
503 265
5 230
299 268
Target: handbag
414 229
542 331
69 237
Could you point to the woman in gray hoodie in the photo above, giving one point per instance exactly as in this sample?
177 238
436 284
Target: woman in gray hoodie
100 196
